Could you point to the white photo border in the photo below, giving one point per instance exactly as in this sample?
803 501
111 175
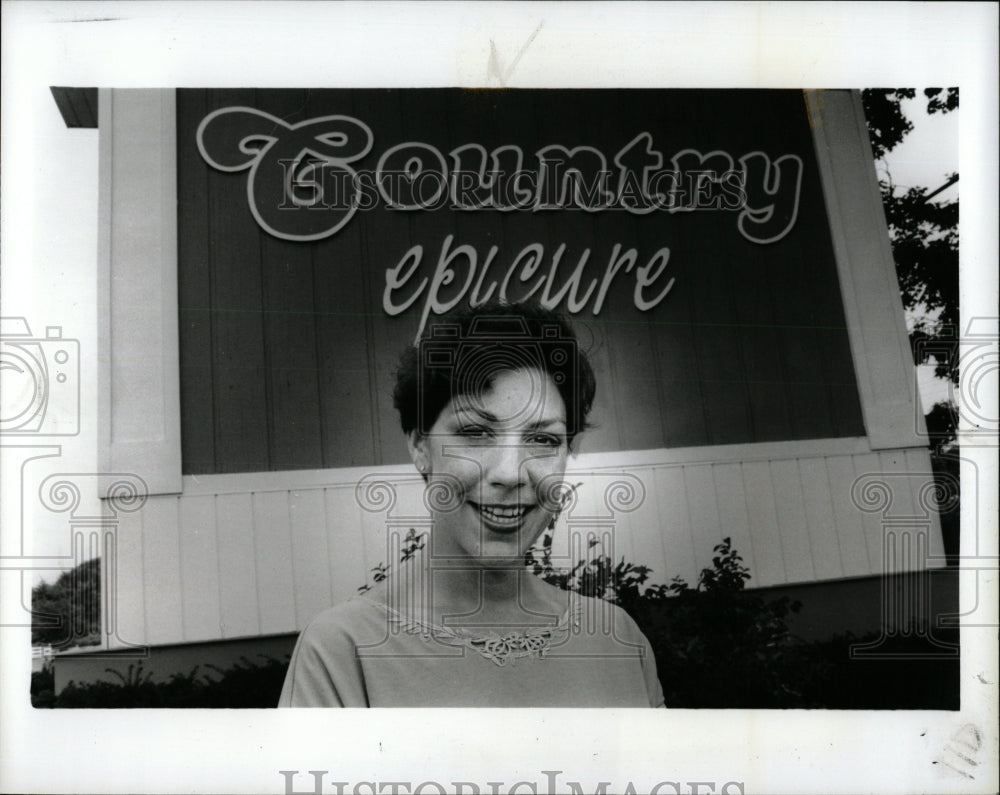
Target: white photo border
807 45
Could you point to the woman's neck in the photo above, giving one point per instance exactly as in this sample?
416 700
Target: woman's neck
487 596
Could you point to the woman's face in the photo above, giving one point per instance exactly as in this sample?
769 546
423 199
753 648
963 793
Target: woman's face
494 461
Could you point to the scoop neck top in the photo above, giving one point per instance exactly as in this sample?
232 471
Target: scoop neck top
364 653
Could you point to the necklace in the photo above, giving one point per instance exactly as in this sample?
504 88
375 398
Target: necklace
499 648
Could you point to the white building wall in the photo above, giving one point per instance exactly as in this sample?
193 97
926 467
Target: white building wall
228 556
262 553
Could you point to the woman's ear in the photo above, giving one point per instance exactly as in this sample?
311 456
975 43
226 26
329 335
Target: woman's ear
416 442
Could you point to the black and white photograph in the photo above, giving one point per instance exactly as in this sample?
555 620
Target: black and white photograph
494 376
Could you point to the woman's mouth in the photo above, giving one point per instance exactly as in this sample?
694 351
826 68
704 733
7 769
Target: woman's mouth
502 518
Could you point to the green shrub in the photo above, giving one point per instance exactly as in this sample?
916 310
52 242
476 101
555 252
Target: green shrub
412 544
43 685
243 685
716 644
68 612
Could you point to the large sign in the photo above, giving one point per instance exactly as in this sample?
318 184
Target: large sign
302 186
684 232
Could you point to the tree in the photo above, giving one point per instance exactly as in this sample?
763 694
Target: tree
924 233
68 611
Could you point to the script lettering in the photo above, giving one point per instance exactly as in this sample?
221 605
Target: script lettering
281 159
301 184
459 267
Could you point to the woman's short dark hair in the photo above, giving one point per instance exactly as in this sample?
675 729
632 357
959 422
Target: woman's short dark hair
462 352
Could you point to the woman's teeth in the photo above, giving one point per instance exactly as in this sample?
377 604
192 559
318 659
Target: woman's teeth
503 514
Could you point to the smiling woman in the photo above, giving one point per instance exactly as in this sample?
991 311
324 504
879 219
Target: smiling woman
498 453
491 400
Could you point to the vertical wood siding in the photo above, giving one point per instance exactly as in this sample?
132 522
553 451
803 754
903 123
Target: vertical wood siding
240 555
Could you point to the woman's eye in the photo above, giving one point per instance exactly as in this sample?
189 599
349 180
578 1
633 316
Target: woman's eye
474 432
547 439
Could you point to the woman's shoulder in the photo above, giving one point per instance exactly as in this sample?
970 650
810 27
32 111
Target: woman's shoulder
353 619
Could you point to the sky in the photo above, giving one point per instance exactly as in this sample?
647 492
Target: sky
929 152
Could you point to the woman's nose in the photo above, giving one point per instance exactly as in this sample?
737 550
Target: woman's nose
505 465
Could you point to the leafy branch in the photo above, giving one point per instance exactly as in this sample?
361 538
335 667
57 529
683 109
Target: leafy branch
924 234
